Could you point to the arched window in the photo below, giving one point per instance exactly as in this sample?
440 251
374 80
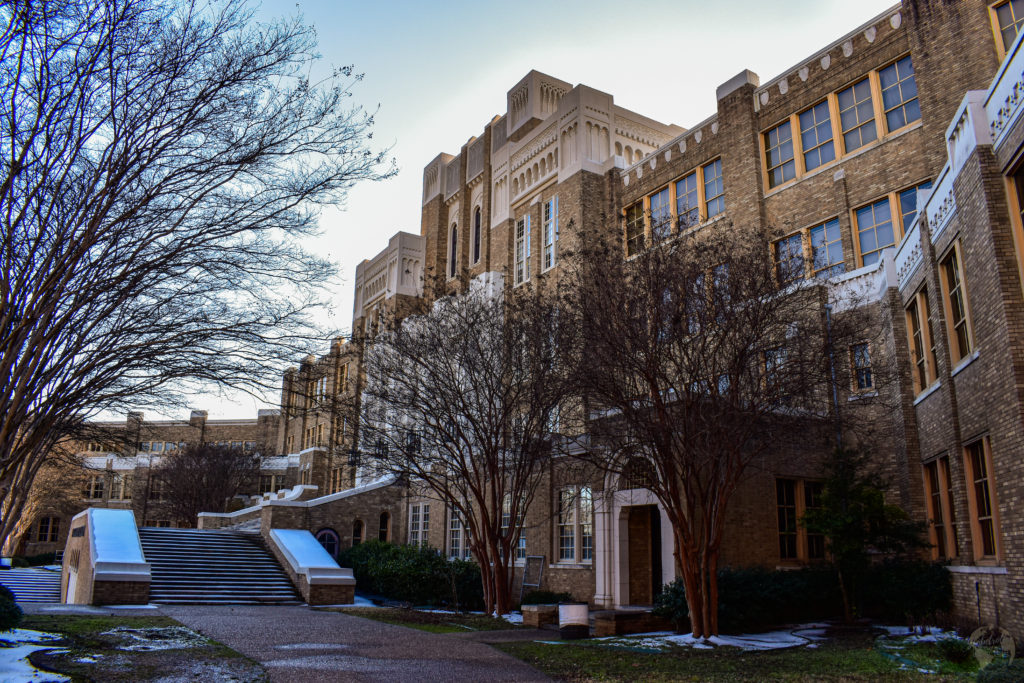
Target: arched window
329 540
357 532
385 526
476 235
453 251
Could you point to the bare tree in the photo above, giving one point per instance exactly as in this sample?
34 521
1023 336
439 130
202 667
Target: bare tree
204 478
461 399
161 160
699 363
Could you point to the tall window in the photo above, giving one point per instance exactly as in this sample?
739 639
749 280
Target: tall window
899 94
793 498
94 487
453 251
789 259
816 136
458 538
576 524
922 348
523 249
634 229
519 550
419 523
121 487
687 204
714 188
157 489
908 204
778 149
661 215
384 530
874 231
550 230
860 363
477 221
941 520
1009 16
785 504
827 249
981 500
955 301
857 115
343 378
48 530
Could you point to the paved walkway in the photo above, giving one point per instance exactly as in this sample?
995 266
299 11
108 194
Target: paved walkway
306 646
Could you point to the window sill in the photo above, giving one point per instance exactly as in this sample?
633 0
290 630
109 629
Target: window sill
858 395
571 565
928 392
965 361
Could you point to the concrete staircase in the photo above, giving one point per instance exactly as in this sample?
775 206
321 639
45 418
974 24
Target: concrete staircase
214 567
32 585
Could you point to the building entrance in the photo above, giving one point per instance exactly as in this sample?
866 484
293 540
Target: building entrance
644 553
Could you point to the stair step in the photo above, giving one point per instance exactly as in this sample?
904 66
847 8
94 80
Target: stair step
193 566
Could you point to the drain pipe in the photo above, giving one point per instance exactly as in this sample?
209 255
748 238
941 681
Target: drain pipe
832 371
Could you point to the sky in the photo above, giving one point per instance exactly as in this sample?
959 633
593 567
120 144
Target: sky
436 72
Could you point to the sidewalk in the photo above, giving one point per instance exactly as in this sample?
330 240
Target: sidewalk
307 646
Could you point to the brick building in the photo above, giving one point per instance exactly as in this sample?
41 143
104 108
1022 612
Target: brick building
115 470
887 162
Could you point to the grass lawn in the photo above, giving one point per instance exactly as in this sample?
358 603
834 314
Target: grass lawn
852 657
434 622
95 648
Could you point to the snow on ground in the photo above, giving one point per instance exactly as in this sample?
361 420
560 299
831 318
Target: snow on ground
515 618
156 638
807 635
923 634
15 648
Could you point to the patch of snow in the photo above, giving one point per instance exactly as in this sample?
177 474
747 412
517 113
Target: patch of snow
513 618
14 664
552 642
131 607
772 640
360 601
91 659
149 639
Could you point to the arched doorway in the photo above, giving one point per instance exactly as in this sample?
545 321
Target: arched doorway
329 540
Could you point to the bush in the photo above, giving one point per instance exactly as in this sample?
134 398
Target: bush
546 598
955 649
756 598
19 562
1002 672
415 574
6 594
41 559
10 615
913 591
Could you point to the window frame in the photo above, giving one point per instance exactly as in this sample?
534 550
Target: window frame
882 130
972 479
997 33
638 214
923 381
457 525
476 236
419 523
577 527
939 506
802 540
549 234
453 250
855 369
521 254
51 534
897 216
954 258
807 262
